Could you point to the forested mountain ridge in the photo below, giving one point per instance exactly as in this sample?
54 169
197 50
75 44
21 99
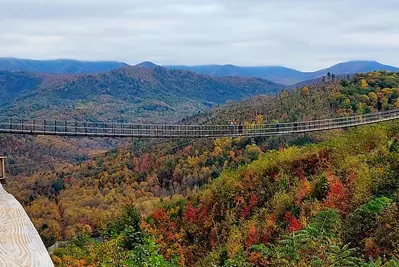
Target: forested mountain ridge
281 74
277 74
285 75
61 66
125 94
357 66
237 202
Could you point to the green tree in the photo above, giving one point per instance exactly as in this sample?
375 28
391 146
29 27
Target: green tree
341 256
148 255
127 228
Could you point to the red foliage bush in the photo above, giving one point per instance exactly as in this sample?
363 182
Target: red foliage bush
252 236
190 214
338 196
160 215
253 200
293 223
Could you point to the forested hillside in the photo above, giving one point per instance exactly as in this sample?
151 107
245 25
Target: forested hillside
333 97
126 94
251 213
336 201
28 154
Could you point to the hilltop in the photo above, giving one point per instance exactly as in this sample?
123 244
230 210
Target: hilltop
58 66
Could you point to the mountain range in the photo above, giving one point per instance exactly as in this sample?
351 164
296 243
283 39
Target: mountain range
286 75
277 74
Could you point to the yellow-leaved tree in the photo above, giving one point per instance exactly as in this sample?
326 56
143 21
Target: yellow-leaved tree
260 119
363 83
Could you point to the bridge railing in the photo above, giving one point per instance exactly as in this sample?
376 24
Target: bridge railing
76 128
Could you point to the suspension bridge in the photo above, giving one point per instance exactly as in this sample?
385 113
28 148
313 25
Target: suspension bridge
121 130
21 244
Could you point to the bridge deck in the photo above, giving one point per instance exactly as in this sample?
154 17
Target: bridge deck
20 243
103 129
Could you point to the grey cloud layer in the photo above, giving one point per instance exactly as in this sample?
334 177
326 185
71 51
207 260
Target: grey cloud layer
306 34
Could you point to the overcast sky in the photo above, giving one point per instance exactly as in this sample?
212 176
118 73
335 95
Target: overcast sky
303 34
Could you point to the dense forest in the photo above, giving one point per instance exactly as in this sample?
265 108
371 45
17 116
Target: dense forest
325 199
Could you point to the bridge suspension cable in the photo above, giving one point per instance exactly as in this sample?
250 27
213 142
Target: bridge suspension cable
120 130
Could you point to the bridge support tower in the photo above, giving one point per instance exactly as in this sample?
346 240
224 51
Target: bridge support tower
2 170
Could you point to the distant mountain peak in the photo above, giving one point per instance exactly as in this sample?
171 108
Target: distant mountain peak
148 65
230 66
356 66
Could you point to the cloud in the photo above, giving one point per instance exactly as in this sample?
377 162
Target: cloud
306 34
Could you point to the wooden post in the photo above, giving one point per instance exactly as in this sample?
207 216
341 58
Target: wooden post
2 170
21 244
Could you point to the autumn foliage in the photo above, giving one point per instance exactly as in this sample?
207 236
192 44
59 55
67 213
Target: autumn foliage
337 197
233 201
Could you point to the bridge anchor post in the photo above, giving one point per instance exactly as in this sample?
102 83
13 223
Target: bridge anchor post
2 170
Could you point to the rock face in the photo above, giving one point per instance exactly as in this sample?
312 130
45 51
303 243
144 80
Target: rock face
20 243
